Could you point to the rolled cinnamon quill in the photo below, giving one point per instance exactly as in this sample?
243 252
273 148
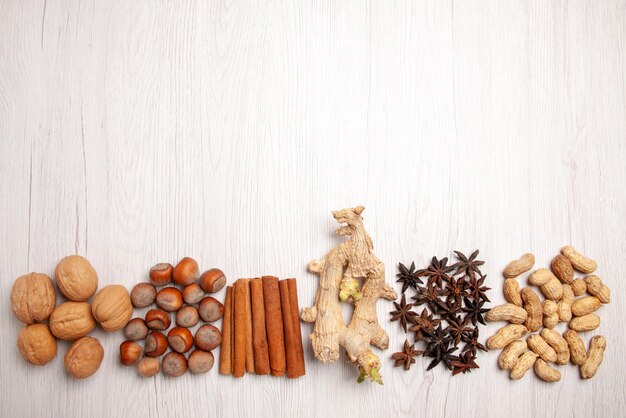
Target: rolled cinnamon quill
239 348
249 345
290 333
274 325
226 351
295 317
259 335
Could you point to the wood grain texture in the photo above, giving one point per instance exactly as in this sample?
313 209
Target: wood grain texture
144 131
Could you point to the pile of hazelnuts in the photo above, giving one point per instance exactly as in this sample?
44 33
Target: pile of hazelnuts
190 306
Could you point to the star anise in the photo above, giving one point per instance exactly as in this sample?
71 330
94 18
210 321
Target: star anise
423 322
469 265
474 310
408 277
444 356
407 356
437 340
455 291
476 289
438 270
445 308
403 313
429 295
471 342
458 329
464 364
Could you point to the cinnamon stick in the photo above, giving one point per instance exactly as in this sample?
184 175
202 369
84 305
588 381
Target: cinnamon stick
249 345
226 366
274 325
295 317
259 335
239 353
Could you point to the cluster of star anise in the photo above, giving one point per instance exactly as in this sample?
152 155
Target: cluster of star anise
453 299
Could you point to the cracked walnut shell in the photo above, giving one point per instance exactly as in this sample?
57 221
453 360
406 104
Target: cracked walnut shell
112 307
33 298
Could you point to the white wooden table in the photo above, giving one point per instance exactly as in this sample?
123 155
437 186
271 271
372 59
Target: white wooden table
139 132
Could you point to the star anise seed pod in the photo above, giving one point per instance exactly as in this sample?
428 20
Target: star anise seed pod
469 265
438 270
406 357
403 313
464 364
474 310
408 277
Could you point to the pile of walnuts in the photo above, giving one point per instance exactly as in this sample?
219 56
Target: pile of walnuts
33 301
526 313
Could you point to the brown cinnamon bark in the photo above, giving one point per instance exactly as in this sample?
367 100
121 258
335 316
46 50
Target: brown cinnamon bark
239 349
290 334
274 325
226 354
249 345
295 316
259 335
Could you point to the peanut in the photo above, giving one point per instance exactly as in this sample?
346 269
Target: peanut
511 353
579 261
552 290
585 305
562 269
545 372
595 355
579 287
541 348
506 335
598 289
532 304
523 364
585 323
558 344
511 292
541 277
507 312
565 305
519 266
577 350
550 316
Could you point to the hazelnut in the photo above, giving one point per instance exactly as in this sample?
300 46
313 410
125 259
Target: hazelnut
156 344
112 307
187 316
143 295
180 339
174 364
148 367
33 298
200 361
169 299
76 278
186 271
130 353
136 329
161 274
72 320
84 357
193 293
212 280
158 320
207 337
210 309
37 344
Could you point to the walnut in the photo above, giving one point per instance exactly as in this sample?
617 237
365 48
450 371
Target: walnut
76 278
84 357
36 344
72 320
112 307
33 298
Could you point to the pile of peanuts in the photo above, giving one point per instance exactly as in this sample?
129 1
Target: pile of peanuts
527 314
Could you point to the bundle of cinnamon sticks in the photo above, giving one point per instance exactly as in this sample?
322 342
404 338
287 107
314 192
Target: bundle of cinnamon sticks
261 329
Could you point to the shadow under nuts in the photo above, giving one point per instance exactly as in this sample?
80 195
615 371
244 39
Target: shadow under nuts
169 299
72 320
210 309
187 316
207 337
158 320
212 280
136 329
76 278
143 295
156 344
174 364
84 357
200 361
148 367
161 274
33 298
112 307
180 339
186 271
130 353
36 344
